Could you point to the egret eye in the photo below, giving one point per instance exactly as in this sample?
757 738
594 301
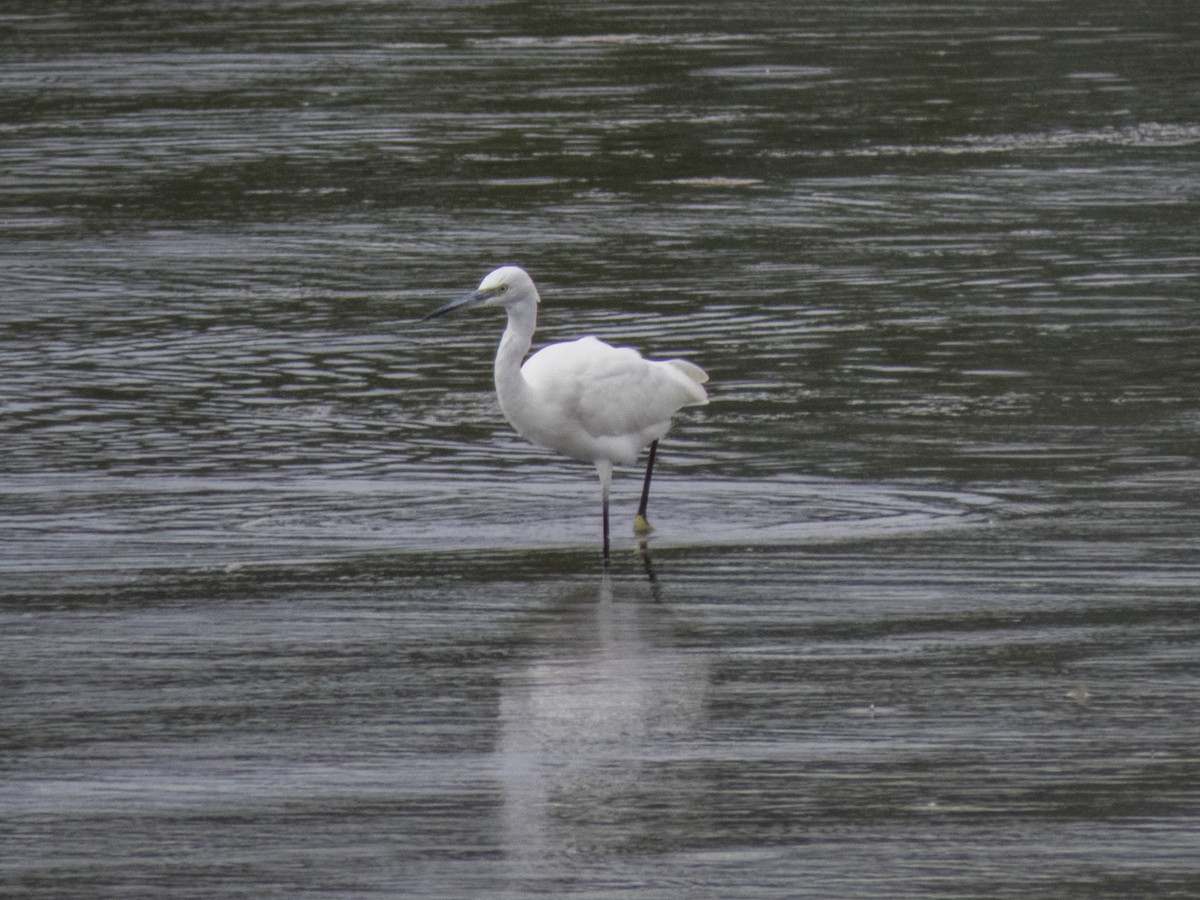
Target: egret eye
503 288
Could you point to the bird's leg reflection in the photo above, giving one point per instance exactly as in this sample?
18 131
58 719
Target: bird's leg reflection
643 551
648 565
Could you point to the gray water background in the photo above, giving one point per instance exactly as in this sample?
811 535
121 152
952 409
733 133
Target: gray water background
287 610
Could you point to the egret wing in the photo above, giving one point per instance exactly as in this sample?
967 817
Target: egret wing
613 391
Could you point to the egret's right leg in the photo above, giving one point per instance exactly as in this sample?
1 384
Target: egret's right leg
640 525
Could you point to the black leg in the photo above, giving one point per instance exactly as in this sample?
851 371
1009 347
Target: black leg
606 526
604 470
640 525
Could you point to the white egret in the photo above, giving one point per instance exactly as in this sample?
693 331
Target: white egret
585 399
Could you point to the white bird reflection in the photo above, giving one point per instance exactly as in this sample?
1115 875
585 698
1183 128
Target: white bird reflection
579 731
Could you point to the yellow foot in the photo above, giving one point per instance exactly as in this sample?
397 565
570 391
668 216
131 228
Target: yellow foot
641 526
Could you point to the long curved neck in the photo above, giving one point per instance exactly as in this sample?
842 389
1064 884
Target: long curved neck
514 344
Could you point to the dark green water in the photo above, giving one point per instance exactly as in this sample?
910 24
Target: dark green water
286 609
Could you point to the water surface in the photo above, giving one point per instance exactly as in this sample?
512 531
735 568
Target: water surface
287 608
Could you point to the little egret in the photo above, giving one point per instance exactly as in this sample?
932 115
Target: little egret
585 399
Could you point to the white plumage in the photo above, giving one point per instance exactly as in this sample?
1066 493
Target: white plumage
588 400
584 399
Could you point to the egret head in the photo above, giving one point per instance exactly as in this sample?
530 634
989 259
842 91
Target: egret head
506 286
